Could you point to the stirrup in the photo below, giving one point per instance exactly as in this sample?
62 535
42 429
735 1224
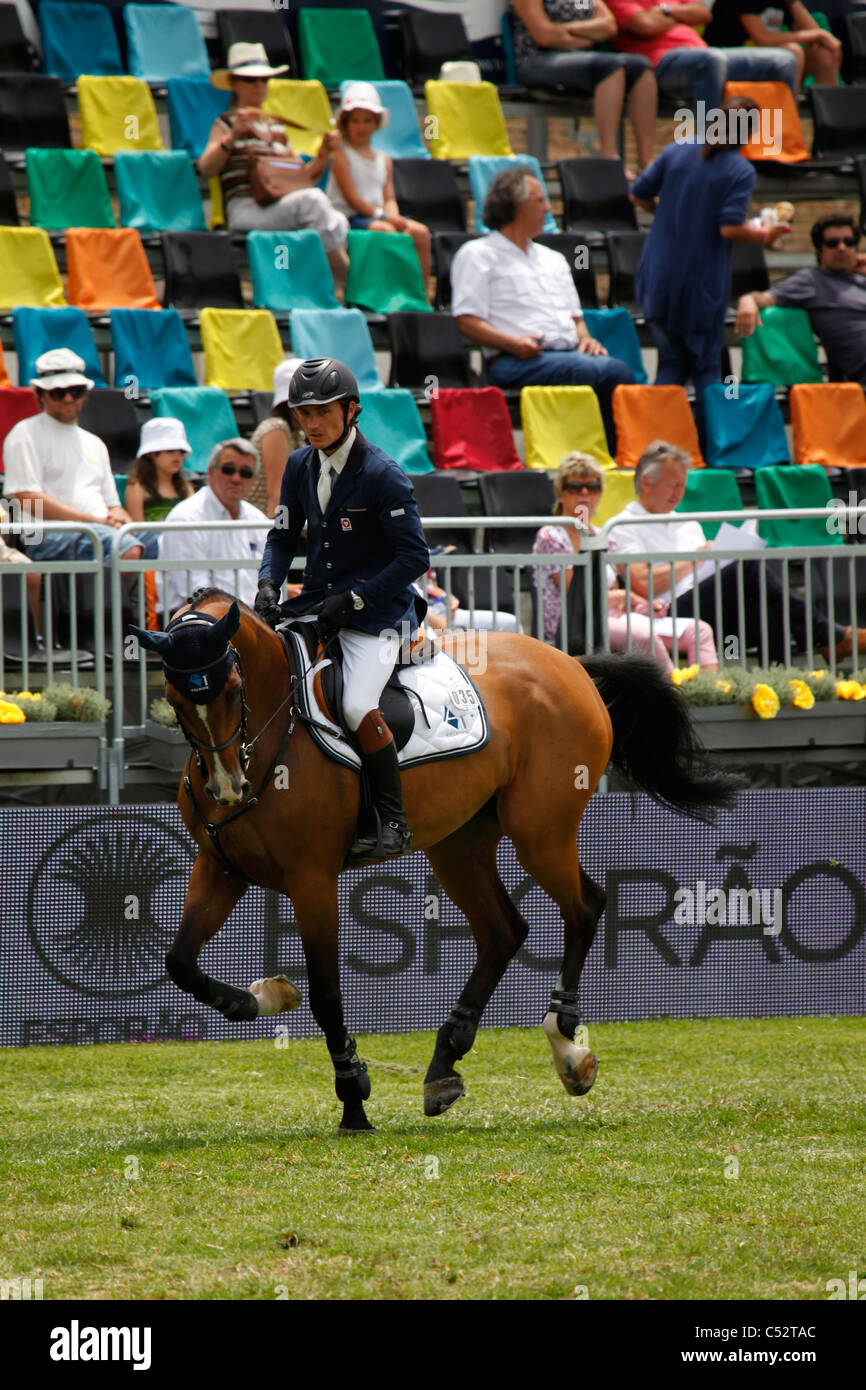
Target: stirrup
399 838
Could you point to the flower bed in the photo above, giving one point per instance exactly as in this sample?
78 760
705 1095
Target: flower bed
776 708
167 747
71 731
765 692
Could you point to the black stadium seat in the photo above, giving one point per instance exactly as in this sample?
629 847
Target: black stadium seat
748 269
860 166
32 112
839 115
110 415
856 25
425 346
8 206
258 26
200 271
17 53
428 39
595 196
575 249
445 248
427 190
624 250
515 494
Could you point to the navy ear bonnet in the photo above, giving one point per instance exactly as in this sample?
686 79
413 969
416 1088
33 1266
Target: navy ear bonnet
195 651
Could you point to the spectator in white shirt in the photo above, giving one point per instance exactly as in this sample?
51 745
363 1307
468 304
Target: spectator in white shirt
517 300
232 466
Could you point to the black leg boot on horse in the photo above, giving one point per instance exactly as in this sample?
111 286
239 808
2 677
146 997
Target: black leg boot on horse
379 754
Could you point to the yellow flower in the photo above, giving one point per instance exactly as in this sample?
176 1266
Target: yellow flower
765 702
681 674
10 714
724 686
818 675
803 697
850 690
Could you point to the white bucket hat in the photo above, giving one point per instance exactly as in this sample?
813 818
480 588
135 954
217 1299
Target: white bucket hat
60 367
245 60
362 96
162 433
283 373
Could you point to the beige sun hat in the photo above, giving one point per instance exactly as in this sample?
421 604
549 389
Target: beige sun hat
245 60
362 96
59 367
163 432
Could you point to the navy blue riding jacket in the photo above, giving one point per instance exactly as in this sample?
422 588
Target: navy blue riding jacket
370 538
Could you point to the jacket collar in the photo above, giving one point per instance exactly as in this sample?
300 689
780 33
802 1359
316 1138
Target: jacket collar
343 481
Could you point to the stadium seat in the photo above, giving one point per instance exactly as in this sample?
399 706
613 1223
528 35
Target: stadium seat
472 429
748 269
108 269
575 249
807 486
618 492
340 333
483 169
856 26
746 430
16 403
427 353
17 53
30 274
391 419
445 246
289 270
257 26
8 204
401 138
338 44
427 190
117 113
38 330
164 42
151 349
829 424
112 416
782 350
439 495
615 330
384 273
708 491
860 166
839 116
4 374
78 38
467 118
206 414
773 98
304 102
558 419
429 39
514 494
32 112
624 252
158 192
241 348
192 106
644 413
67 188
200 271
595 196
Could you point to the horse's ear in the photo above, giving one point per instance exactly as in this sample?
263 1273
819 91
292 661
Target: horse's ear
229 622
155 641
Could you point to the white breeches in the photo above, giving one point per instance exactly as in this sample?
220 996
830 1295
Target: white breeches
368 661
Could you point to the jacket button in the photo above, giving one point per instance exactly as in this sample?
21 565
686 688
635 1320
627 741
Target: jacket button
329 566
326 545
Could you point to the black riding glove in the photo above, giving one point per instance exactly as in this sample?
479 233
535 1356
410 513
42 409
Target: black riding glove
336 611
267 603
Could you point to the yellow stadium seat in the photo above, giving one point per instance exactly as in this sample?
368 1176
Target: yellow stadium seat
241 348
305 102
30 275
117 114
618 492
645 413
464 118
559 419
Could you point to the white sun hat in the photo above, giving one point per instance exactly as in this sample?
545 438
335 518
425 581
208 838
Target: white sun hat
162 433
59 367
245 60
362 96
283 373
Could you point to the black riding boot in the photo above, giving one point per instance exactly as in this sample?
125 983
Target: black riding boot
379 753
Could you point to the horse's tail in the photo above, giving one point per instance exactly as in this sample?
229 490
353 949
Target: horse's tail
654 742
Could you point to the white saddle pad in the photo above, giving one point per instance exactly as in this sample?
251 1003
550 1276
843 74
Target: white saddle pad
450 718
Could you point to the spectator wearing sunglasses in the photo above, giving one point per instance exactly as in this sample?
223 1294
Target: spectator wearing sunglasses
232 466
60 472
833 293
579 484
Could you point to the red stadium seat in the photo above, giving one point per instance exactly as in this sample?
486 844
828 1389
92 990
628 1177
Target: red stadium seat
472 429
16 403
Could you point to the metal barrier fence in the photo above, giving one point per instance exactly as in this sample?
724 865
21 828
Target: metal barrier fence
129 669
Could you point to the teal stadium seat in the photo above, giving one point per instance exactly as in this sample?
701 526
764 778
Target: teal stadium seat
338 44
289 271
151 349
164 41
484 168
800 485
158 191
391 419
744 431
67 188
340 333
193 105
38 330
615 330
707 491
78 39
206 414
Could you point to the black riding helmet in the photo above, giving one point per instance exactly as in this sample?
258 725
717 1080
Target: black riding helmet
320 380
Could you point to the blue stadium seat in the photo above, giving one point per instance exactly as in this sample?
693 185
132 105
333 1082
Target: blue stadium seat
484 168
193 106
206 414
615 330
340 333
151 349
78 39
289 271
744 431
38 330
165 41
392 419
401 138
158 191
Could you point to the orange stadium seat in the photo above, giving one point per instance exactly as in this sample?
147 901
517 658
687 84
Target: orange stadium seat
4 375
773 98
108 269
829 424
644 413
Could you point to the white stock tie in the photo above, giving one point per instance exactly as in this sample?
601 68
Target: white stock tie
324 489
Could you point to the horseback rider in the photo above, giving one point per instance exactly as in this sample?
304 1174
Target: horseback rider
365 546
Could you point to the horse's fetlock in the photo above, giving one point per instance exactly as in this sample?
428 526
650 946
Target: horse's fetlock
187 977
459 1029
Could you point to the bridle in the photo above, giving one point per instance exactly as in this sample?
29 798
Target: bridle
198 746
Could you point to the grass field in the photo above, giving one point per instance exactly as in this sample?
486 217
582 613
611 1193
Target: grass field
245 1191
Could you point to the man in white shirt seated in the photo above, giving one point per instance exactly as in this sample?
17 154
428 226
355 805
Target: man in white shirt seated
232 465
57 471
660 484
517 300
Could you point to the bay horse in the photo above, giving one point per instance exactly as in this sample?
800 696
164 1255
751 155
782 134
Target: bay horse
555 723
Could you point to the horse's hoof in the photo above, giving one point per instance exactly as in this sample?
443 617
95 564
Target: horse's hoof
578 1077
275 995
348 1128
439 1095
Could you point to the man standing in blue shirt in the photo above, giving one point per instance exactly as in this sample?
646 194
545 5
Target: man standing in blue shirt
365 547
